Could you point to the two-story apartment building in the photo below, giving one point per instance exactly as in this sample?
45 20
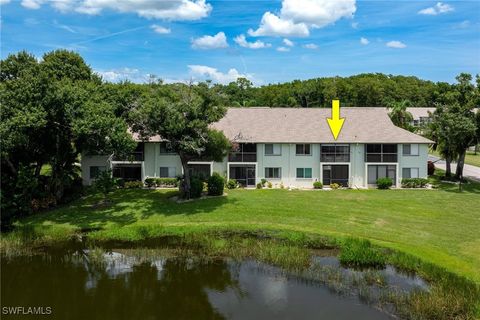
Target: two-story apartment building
292 146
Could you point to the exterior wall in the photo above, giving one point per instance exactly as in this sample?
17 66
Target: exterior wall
89 161
357 165
288 161
154 160
419 161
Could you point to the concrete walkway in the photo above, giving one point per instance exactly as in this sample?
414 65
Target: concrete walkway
469 171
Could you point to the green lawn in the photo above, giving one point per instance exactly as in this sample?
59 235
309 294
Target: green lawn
440 226
470 158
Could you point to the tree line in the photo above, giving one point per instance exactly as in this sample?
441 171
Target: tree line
56 108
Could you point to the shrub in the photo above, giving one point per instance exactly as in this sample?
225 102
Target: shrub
232 184
263 181
414 182
431 168
133 184
334 186
120 182
216 183
196 187
150 182
384 183
105 183
317 185
259 185
270 185
361 253
166 182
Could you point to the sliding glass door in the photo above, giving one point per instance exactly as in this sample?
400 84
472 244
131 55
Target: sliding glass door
381 171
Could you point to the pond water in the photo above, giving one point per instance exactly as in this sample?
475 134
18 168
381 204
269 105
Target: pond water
122 286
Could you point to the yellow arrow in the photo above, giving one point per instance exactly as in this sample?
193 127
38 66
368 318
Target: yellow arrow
335 122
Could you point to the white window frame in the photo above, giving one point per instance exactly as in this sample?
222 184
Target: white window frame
273 149
411 148
303 144
303 178
168 169
418 173
279 173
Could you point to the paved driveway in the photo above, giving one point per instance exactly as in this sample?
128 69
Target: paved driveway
469 171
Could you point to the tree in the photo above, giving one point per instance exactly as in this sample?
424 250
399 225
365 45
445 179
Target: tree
182 115
52 111
105 183
453 131
400 116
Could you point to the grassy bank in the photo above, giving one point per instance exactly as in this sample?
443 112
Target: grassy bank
440 226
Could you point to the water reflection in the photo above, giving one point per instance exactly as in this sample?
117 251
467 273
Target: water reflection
125 287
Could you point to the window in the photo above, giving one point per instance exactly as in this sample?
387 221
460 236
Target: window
410 173
381 171
167 172
165 148
410 149
273 173
304 173
273 149
95 171
380 153
303 150
335 153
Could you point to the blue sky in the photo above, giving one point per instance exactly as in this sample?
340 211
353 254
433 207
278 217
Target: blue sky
282 40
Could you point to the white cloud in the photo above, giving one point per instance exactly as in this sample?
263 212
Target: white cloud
242 41
32 4
271 25
160 29
117 75
396 44
439 8
152 9
217 41
283 49
310 46
296 17
288 43
209 73
4 1
364 41
355 25
62 5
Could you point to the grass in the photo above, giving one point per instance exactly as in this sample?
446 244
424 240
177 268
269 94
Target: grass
440 226
360 253
470 158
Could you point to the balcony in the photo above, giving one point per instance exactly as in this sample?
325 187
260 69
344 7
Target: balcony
335 157
134 156
381 157
242 157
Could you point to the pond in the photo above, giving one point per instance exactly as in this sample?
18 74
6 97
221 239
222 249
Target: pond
122 285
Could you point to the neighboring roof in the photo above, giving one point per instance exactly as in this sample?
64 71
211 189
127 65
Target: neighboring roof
309 125
418 113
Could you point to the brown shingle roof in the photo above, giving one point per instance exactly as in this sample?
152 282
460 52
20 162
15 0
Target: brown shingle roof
300 125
